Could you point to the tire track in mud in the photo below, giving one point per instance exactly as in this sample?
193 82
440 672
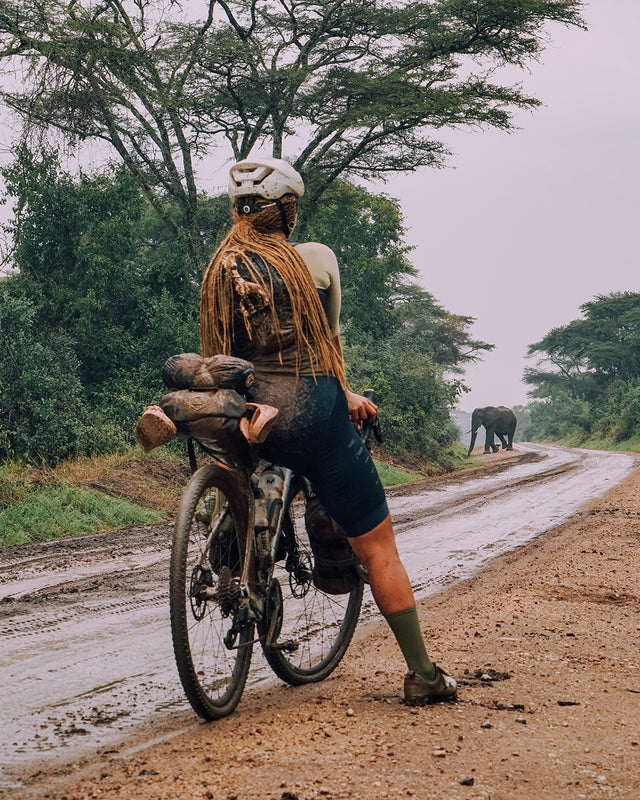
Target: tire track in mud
479 497
87 658
451 534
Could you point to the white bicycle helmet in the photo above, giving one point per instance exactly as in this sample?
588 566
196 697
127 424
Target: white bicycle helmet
264 177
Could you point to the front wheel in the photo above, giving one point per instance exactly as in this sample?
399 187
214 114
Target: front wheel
204 594
309 629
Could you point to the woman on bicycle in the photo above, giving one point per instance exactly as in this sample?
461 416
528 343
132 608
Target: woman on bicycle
277 305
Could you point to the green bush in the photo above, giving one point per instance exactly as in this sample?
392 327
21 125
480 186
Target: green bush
618 411
43 414
562 418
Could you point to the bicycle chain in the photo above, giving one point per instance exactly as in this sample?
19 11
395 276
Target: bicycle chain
263 549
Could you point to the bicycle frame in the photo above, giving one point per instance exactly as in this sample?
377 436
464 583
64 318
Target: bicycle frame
251 604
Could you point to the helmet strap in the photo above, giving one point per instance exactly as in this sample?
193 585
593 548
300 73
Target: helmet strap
286 228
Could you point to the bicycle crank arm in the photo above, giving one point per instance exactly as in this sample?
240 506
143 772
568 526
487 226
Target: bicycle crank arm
290 646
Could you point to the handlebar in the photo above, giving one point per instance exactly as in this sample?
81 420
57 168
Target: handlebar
370 430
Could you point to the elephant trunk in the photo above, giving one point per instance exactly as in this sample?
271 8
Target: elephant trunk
472 444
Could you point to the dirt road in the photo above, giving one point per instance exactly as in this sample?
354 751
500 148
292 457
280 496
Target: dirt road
544 642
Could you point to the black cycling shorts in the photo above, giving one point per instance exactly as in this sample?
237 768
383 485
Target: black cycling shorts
320 442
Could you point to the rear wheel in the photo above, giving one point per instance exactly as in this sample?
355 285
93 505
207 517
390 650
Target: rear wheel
310 629
206 563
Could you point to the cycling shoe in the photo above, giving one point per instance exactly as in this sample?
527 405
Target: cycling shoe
418 691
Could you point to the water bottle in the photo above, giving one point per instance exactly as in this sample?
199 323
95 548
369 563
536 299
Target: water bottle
268 498
271 484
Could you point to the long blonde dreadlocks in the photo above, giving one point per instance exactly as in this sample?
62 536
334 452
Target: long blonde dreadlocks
259 234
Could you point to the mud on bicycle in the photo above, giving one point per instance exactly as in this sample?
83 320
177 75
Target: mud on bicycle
244 571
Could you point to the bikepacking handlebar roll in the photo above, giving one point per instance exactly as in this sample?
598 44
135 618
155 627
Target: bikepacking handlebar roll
191 371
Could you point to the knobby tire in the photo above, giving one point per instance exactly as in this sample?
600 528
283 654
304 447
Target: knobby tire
321 624
213 676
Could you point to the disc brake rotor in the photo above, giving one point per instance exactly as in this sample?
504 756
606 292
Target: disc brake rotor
200 579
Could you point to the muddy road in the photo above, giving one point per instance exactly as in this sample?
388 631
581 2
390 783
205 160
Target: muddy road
86 661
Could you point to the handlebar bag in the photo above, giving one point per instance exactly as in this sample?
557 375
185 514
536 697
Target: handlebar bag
334 562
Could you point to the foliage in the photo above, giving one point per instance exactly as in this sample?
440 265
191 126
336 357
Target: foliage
593 388
13 485
100 299
523 417
77 248
43 414
369 83
619 411
414 400
589 353
564 418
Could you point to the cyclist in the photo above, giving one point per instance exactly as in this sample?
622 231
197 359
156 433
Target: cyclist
277 306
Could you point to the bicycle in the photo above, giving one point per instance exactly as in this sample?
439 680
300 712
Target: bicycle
242 572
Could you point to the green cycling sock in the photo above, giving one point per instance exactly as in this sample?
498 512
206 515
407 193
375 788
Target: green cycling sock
406 629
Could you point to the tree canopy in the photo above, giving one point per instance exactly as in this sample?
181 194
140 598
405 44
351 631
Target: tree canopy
344 88
588 373
591 352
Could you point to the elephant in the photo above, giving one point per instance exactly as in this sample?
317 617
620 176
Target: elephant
500 421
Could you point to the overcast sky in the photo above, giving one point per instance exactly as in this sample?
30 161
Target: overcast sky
527 226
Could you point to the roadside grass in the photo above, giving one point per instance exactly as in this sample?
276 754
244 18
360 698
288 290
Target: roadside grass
626 446
54 512
37 505
150 480
104 493
476 459
391 475
599 443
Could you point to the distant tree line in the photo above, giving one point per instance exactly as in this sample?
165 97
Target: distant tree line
587 374
102 294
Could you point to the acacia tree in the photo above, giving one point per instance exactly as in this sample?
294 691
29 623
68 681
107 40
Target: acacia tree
341 87
589 353
380 298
